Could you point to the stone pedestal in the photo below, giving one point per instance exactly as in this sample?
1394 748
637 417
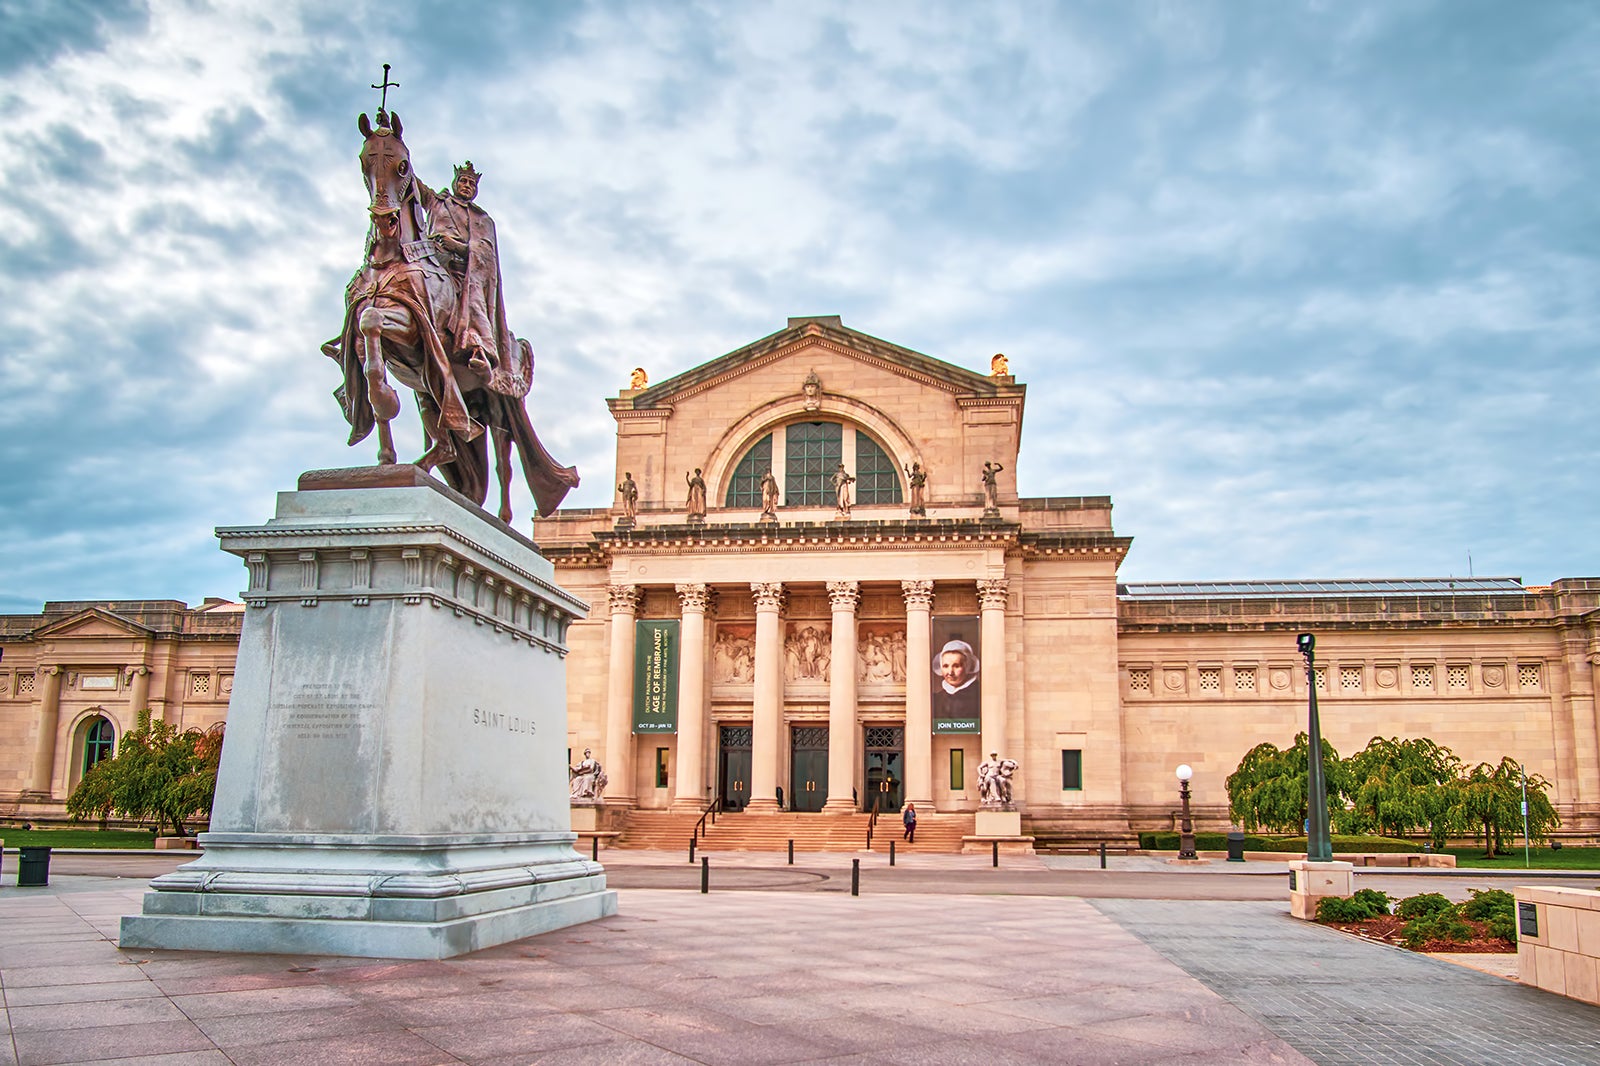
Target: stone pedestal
394 778
1004 827
1313 880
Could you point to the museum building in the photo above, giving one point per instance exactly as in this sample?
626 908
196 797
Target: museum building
818 591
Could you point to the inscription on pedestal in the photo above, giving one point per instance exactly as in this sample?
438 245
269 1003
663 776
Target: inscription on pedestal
331 711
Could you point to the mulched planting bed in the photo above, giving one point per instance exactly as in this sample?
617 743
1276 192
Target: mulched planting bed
1386 929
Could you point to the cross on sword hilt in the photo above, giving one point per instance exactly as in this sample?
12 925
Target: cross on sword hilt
383 102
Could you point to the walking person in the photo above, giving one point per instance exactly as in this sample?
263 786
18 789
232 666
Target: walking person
910 818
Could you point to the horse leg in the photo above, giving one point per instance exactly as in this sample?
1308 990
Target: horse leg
441 450
502 469
385 401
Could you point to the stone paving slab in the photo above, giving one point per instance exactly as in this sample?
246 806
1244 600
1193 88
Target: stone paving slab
1340 1000
733 977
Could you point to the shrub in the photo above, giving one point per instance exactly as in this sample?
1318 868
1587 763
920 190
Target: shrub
1443 925
1428 903
1486 904
1503 926
1371 897
1368 903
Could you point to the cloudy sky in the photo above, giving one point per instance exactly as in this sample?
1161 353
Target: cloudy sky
1309 289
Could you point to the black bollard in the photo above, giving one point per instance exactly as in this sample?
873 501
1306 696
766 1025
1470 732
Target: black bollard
705 874
891 853
791 853
691 848
594 851
995 844
1102 855
855 877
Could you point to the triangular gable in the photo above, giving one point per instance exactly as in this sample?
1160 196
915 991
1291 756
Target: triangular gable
832 332
94 622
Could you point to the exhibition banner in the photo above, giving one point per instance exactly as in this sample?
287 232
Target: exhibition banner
957 670
655 676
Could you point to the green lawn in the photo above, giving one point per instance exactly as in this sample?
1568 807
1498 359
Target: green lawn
1568 858
77 838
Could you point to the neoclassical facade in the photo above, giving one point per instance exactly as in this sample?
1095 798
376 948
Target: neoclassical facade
810 630
819 582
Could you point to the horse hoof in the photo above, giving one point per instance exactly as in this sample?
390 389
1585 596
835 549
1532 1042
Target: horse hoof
505 513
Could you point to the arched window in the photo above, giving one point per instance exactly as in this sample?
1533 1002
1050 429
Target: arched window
97 743
814 450
877 481
804 455
744 488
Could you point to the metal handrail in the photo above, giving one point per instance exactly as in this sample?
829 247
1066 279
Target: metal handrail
710 812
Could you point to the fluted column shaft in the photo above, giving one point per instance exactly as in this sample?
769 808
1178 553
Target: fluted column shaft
992 604
618 759
844 596
690 793
919 691
44 746
767 714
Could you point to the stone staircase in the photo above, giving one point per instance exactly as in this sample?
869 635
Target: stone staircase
667 831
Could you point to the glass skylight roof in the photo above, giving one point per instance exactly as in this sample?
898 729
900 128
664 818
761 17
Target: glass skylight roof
1403 586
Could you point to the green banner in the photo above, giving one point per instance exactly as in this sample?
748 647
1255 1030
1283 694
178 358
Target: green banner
655 676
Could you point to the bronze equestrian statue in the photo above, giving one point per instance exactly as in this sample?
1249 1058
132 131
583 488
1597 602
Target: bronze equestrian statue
426 306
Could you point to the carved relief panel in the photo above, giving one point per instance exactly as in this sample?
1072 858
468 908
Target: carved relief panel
808 652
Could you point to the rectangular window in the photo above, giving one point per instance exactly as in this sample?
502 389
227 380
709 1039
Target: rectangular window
1422 676
1072 770
1211 679
958 769
661 767
814 452
1528 676
1350 678
1139 680
1244 679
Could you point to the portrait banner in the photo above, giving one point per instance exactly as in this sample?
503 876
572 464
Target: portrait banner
957 674
655 676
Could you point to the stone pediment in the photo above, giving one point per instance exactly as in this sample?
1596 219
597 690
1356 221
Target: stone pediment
829 333
91 623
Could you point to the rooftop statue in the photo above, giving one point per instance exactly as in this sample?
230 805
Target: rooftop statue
426 307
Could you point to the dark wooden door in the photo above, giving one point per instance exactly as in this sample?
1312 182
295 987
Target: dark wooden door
808 768
885 770
733 773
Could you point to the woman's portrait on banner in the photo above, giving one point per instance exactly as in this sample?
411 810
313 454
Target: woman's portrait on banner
957 691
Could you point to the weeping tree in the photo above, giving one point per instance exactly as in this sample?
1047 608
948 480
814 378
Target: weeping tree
1397 787
1268 790
159 772
1491 804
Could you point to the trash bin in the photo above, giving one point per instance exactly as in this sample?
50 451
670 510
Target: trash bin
33 867
1235 846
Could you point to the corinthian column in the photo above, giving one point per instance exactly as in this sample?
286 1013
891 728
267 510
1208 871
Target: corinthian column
844 596
619 694
919 691
992 604
44 746
690 794
767 714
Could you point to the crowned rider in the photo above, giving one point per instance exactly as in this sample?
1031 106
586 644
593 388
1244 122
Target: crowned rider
465 236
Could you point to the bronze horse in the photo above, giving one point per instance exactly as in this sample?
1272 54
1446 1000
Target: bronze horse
400 312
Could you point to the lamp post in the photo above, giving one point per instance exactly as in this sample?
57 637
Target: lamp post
1319 846
1186 840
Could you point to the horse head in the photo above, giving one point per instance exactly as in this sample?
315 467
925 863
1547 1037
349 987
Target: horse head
386 167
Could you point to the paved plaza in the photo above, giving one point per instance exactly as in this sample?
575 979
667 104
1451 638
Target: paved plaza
781 964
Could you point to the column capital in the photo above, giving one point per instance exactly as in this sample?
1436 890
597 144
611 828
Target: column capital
918 594
625 598
768 595
844 595
992 593
694 599
50 671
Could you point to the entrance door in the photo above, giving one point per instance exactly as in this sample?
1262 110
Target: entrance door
733 773
885 750
808 768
